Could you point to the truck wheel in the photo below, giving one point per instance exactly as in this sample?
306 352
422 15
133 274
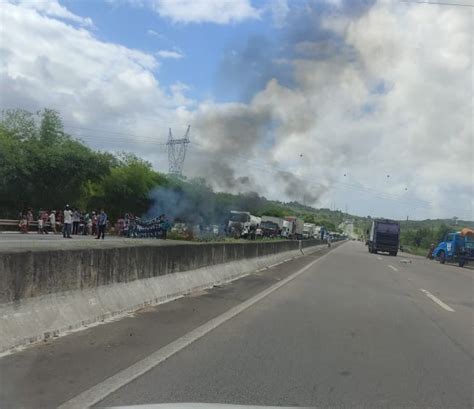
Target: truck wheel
374 251
442 257
393 253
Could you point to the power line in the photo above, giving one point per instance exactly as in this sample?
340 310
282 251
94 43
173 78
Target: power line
118 139
311 181
415 204
343 186
438 3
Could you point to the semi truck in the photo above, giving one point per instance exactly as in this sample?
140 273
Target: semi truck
292 228
384 235
456 247
268 229
308 230
277 220
242 224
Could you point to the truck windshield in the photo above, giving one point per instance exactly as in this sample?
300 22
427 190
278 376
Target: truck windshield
239 217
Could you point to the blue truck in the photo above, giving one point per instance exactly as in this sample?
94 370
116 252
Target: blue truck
456 247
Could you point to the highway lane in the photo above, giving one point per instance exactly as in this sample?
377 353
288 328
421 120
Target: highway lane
354 330
47 374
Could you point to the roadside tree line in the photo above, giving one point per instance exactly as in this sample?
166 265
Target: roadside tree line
42 166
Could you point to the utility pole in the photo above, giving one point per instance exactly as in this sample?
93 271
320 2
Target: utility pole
177 152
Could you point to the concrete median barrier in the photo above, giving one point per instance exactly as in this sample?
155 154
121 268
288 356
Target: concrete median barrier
49 293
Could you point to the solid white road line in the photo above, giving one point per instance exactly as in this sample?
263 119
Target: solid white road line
98 392
437 300
393 268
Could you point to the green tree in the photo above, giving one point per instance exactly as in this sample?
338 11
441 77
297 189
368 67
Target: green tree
19 124
51 129
126 187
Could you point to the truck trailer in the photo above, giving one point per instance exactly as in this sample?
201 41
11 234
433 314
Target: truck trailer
384 235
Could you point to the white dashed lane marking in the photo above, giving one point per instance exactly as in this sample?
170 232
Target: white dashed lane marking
437 300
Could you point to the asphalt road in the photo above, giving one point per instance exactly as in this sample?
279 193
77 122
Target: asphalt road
349 332
352 329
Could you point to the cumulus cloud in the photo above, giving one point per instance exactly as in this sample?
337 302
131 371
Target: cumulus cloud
94 84
53 9
205 11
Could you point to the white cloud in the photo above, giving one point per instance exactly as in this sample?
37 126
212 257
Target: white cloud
152 32
173 54
206 11
94 84
53 9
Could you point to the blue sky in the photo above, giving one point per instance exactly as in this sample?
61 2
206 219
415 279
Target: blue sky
340 93
205 46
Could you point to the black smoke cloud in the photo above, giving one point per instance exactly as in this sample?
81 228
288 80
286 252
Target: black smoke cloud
235 136
301 190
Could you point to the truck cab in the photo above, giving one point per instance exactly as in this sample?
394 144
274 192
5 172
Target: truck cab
455 247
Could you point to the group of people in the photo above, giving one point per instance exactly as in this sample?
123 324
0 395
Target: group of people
44 219
131 226
70 221
75 222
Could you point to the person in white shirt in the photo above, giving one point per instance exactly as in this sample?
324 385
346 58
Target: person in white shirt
67 222
52 220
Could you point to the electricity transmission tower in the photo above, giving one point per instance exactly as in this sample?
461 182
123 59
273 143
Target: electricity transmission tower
177 152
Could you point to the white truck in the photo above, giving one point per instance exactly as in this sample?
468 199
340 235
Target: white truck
292 228
308 230
243 224
317 232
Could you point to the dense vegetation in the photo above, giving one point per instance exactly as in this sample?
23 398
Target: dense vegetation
41 166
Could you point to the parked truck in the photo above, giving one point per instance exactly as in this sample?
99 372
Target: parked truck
308 230
242 224
456 247
277 220
269 229
384 235
292 228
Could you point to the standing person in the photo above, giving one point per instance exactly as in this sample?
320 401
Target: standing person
430 251
29 216
59 220
102 223
45 217
67 222
24 224
94 224
76 218
87 224
40 223
52 221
